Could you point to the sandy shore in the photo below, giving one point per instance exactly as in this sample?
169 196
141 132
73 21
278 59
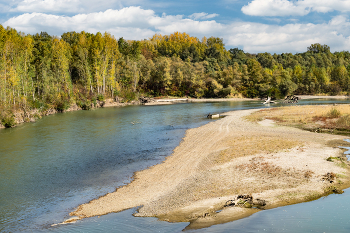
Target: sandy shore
165 101
323 97
206 100
227 165
190 100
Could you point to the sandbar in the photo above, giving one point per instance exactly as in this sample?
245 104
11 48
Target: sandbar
229 169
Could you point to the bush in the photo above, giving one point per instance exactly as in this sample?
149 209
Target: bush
37 104
85 105
100 97
343 122
116 93
61 105
94 101
334 113
8 121
128 95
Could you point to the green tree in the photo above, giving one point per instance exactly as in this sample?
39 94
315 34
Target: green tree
318 48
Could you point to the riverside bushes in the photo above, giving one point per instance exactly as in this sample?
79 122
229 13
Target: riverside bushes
62 105
8 121
84 104
100 97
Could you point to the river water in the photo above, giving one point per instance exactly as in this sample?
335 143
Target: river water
49 167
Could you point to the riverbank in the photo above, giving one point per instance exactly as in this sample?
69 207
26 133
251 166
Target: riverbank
190 100
208 100
31 115
224 167
26 115
323 97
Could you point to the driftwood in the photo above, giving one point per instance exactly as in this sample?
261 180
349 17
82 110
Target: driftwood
146 100
291 99
211 116
245 201
268 101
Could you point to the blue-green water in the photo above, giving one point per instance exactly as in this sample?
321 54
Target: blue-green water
49 167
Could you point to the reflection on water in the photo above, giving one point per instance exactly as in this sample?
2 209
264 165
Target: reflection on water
347 153
49 167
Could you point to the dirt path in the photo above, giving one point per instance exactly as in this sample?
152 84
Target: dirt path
225 163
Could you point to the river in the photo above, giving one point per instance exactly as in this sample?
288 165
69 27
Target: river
49 167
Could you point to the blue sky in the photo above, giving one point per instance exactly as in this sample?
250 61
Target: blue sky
274 26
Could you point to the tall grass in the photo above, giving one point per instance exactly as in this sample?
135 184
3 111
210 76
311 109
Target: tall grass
333 113
327 118
343 122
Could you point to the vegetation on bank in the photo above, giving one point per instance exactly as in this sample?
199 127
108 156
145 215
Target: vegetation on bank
316 118
46 72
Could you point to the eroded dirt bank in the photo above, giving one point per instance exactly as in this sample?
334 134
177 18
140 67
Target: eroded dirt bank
221 169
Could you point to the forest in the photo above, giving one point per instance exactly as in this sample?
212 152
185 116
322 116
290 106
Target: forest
42 71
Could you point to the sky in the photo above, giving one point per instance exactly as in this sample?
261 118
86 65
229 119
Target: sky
256 26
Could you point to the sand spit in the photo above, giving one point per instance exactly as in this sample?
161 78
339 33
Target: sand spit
223 168
323 97
164 101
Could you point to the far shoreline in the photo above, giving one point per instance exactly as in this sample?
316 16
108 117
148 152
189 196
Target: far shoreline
165 101
32 115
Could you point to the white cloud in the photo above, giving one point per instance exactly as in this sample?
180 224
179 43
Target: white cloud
256 37
129 22
325 6
137 23
124 20
298 8
273 8
202 15
69 6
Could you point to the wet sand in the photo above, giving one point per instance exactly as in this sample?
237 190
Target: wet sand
223 167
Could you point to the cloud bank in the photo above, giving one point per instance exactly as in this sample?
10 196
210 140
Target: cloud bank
128 22
136 23
294 8
69 6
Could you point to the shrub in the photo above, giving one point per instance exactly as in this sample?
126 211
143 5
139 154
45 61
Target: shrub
8 121
116 93
343 122
37 104
100 97
61 105
330 159
333 113
85 105
94 101
128 95
79 103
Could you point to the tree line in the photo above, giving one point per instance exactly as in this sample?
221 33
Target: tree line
44 71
